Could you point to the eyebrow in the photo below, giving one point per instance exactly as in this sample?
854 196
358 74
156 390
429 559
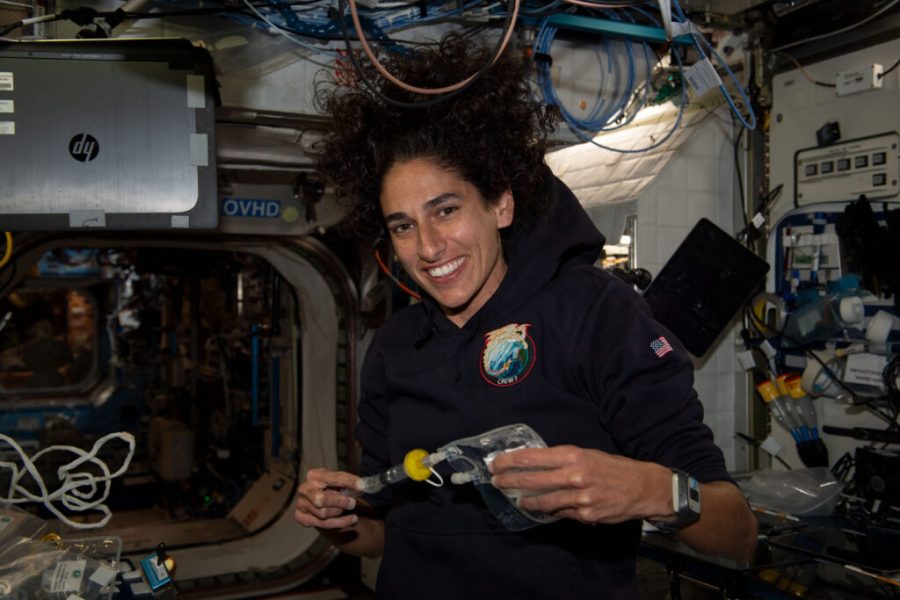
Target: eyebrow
436 201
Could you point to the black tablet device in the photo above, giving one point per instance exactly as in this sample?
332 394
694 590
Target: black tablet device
707 280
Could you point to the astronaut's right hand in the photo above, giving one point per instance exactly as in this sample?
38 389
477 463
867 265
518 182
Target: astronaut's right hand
325 498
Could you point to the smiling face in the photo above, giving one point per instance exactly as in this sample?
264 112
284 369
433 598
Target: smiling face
445 234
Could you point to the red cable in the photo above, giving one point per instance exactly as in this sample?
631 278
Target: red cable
391 275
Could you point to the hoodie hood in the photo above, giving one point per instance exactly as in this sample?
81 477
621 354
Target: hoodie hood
563 237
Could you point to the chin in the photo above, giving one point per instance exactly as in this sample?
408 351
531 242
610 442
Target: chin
450 304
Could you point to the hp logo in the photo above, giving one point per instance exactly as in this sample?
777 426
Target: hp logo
84 147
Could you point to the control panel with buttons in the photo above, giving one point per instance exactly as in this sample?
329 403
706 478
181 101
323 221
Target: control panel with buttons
849 169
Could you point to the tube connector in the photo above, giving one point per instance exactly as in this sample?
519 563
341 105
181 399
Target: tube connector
414 465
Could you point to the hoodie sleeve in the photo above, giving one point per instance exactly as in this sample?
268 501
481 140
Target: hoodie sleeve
642 380
371 429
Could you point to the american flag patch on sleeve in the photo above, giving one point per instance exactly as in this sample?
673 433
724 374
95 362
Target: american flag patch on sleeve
660 346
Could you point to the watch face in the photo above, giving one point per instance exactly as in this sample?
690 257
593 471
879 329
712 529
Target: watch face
693 495
687 500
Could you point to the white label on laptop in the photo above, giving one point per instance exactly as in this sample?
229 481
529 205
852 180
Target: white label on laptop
196 92
7 81
7 128
199 150
7 106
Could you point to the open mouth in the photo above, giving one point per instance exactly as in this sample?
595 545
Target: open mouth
447 269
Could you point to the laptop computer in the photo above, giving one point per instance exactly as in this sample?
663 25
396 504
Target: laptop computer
116 134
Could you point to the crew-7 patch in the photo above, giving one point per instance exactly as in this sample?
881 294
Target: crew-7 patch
508 355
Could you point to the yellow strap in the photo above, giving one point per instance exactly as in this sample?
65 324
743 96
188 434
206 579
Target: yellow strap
8 253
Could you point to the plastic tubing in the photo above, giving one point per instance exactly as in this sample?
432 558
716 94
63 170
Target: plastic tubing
792 408
769 395
416 465
805 404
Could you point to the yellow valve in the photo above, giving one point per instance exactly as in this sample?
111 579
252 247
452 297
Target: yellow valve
769 575
781 383
170 565
797 589
767 390
795 387
413 464
53 538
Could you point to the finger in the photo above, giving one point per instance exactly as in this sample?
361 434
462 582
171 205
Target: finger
577 505
593 516
323 498
534 458
351 492
315 487
333 479
309 520
326 513
542 480
557 501
338 499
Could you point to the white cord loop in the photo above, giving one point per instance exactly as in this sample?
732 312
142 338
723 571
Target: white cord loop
77 488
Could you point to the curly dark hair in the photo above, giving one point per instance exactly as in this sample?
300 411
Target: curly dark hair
493 134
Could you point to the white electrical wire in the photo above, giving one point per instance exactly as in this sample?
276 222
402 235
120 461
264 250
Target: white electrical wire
308 47
39 19
78 488
19 4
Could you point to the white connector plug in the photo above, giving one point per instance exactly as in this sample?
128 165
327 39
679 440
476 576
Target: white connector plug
861 79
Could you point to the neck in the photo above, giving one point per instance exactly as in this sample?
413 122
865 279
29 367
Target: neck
459 316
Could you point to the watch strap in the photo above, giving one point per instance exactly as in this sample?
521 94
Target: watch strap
685 502
685 499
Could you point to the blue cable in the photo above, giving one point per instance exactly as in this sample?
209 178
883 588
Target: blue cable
649 75
541 10
602 113
601 116
590 139
254 374
725 94
275 395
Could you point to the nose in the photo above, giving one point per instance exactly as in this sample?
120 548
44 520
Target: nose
430 243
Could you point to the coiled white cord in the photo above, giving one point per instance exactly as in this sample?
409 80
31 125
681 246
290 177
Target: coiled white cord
78 490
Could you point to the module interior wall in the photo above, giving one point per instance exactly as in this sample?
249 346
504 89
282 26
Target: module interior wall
700 182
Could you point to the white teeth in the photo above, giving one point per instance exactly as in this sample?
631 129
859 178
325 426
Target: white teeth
446 269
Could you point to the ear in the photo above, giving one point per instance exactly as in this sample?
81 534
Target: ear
504 209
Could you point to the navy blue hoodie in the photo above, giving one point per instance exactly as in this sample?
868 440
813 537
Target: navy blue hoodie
592 369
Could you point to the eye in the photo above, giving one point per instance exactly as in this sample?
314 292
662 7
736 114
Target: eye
400 228
446 211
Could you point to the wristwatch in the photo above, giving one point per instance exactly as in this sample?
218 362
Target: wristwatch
685 501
